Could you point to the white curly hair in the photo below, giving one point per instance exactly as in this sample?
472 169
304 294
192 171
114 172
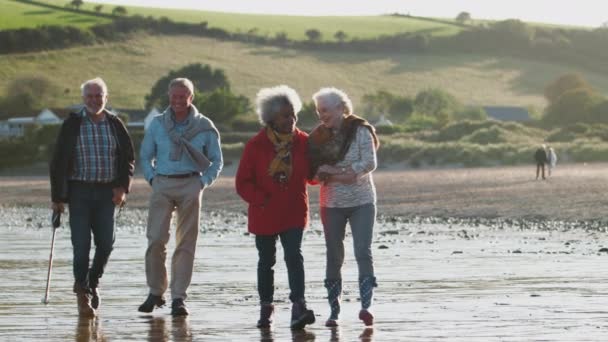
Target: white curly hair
269 101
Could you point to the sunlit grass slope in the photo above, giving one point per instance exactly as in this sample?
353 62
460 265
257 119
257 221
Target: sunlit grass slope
132 67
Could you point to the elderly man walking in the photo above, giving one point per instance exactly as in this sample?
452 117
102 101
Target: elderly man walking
180 156
91 170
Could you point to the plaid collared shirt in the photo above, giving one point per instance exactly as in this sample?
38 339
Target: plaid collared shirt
95 155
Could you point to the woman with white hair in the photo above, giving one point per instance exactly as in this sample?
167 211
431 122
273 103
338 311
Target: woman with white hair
343 156
272 178
551 160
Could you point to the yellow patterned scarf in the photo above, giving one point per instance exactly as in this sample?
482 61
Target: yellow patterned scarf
280 166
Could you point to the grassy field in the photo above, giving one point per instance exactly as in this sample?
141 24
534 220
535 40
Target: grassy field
15 15
132 67
294 26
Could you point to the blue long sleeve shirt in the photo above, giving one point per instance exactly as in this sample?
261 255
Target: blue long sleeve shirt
156 148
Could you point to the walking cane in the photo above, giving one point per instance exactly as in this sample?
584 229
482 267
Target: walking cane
56 221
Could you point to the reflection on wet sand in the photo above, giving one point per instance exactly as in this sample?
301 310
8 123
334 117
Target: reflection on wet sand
455 280
302 336
266 335
335 334
89 329
157 331
367 335
181 329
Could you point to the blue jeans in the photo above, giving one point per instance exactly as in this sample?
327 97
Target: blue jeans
266 245
91 210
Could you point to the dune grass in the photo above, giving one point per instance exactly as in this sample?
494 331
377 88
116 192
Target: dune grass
362 27
14 15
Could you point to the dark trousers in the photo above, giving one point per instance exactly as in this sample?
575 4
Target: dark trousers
539 167
91 211
266 245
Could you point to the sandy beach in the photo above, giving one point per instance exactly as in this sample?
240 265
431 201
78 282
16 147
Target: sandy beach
460 255
575 192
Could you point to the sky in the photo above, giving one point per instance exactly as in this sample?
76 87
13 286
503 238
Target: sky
590 13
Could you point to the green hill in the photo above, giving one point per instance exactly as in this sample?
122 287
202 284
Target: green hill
132 67
362 27
16 15
485 77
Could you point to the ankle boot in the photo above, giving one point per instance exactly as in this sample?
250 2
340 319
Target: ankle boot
266 313
95 298
334 294
301 315
83 299
366 292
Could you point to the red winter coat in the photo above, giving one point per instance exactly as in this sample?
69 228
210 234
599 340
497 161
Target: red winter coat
273 208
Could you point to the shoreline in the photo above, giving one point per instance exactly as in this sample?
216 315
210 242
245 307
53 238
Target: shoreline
574 195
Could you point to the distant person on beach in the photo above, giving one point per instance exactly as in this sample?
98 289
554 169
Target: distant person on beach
343 153
91 170
180 157
551 160
540 156
271 178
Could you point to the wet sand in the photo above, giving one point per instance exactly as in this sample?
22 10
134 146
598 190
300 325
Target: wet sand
438 280
575 192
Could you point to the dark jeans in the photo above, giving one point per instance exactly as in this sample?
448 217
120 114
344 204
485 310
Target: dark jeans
91 210
266 245
539 167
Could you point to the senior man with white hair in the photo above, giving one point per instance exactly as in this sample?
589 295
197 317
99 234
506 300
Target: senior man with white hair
180 156
91 170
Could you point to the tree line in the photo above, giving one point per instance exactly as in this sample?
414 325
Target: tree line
571 99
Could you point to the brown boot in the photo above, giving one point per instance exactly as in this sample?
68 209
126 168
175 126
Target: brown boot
84 303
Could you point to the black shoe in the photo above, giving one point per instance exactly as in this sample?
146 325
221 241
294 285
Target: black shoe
301 316
151 302
178 308
95 298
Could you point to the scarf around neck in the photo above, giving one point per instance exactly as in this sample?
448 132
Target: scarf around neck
281 166
195 124
329 147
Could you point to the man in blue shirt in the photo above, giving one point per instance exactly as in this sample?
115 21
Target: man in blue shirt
180 156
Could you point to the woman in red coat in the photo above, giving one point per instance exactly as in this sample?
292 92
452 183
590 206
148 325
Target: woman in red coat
271 178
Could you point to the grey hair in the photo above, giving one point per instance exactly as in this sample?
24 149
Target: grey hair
182 82
97 81
269 101
335 97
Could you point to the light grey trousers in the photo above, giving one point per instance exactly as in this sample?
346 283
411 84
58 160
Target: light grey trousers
361 220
